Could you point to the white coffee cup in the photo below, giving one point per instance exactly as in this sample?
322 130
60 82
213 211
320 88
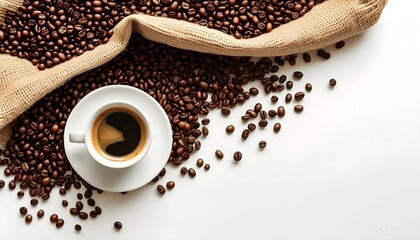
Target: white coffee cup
93 130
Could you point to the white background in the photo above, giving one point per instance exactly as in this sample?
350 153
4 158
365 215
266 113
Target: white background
348 167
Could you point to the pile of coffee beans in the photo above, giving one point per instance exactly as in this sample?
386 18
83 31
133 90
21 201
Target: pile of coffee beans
179 80
51 32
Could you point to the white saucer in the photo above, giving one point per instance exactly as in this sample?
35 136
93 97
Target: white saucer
126 179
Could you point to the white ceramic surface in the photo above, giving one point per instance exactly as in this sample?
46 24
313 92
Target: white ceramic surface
124 179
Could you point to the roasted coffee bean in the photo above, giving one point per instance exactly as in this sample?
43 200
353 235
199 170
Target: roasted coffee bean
64 203
253 91
206 166
34 202
184 170
252 127
257 107
23 211
74 211
93 214
79 205
161 173
98 210
289 85
263 114
262 144
298 75
2 183
308 87
117 225
333 82
274 99
281 111
272 113
245 134
197 145
225 111
237 156
263 123
170 184
77 227
62 191
200 162
83 215
277 127
12 185
161 189
307 58
28 218
219 154
288 98
205 131
299 96
191 172
53 217
88 193
205 121
298 108
59 223
230 129
340 44
20 194
79 196
40 213
246 117
91 202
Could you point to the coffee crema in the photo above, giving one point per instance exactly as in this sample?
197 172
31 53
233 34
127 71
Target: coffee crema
118 134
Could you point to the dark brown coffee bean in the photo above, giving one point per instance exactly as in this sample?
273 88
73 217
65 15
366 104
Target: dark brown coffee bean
225 111
117 225
191 172
53 217
219 154
62 191
253 91
98 210
246 117
88 193
206 166
197 145
59 223
162 172
298 108
200 162
274 99
2 184
289 85
74 211
299 96
83 215
23 211
272 113
205 121
170 184
230 129
77 227
184 170
64 203
12 185
281 111
308 87
237 156
277 127
252 127
245 134
263 114
257 107
333 82
28 218
161 189
288 98
263 123
34 202
91 202
298 75
205 131
307 58
340 44
40 213
79 196
79 205
20 194
262 144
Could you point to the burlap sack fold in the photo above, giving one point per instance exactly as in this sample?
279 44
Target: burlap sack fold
21 84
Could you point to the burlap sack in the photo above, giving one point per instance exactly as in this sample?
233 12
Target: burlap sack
21 84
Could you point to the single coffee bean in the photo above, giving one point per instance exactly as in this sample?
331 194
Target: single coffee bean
23 211
246 117
298 108
205 121
281 111
77 227
28 218
79 205
200 162
170 184
263 114
274 99
263 123
79 196
252 127
230 129
277 127
197 145
118 225
191 172
88 193
253 91
91 202
12 185
272 113
299 96
298 75
34 202
308 87
237 156
59 223
62 191
262 144
162 172
219 154
20 194
98 210
245 134
74 211
289 85
83 215
333 82
307 58
161 189
54 218
184 170
205 131
225 111
340 44
288 98
2 183
258 107
64 203
207 166
40 213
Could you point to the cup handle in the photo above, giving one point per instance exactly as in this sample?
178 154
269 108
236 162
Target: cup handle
77 137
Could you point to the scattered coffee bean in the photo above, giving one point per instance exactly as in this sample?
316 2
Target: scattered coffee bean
53 217
205 131
161 189
191 172
272 113
299 96
206 166
237 156
23 211
77 227
170 184
281 111
333 82
91 202
74 211
288 98
289 85
251 126
12 185
200 162
298 75
34 202
88 193
307 58
98 210
263 123
118 225
245 117
20 194
263 114
274 99
197 145
28 218
93 214
162 172
184 170
340 44
219 154
298 108
59 223
253 91
83 215
262 144
62 191
230 129
79 205
225 111
308 87
277 127
2 183
40 213
245 134
257 107
205 121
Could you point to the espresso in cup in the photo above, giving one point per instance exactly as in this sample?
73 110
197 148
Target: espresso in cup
118 134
